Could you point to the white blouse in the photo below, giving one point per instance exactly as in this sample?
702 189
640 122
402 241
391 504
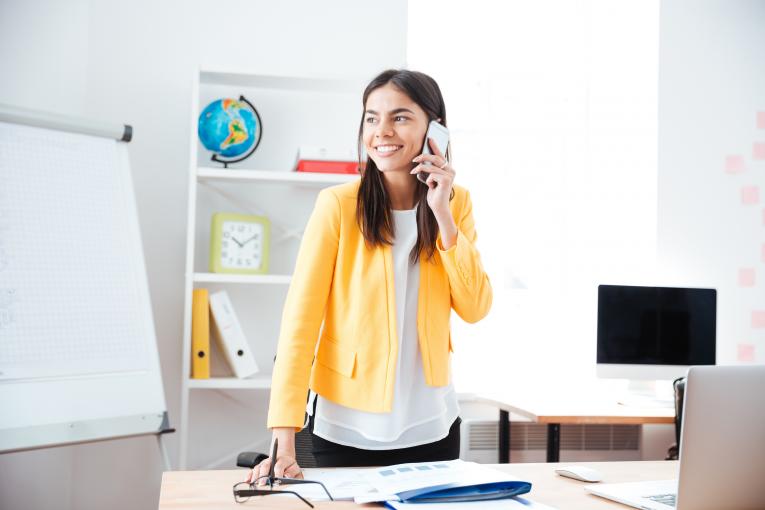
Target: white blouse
421 414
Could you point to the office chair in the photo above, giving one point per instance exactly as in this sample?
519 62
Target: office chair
303 453
679 386
303 446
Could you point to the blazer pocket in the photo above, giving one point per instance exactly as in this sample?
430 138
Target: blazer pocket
338 358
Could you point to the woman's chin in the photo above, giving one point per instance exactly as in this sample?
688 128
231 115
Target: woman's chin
386 167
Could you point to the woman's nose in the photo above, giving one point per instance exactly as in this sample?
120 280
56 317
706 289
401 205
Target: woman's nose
384 128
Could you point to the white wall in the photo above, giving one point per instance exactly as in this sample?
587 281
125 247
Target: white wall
132 62
711 87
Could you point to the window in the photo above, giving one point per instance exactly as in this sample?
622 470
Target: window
552 108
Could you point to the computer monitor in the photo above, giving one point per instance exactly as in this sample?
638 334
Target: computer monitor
654 333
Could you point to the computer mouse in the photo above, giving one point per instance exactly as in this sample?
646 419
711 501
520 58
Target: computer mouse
581 473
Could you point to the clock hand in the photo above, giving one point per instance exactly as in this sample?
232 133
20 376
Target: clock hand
248 240
237 242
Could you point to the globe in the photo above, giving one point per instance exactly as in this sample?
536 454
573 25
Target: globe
230 128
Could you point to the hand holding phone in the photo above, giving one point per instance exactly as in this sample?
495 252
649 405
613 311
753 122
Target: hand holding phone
440 134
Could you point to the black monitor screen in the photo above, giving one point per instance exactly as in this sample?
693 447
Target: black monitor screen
656 325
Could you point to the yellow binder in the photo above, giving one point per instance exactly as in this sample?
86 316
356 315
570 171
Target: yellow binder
200 335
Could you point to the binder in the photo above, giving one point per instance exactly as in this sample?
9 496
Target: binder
476 492
200 335
230 336
454 481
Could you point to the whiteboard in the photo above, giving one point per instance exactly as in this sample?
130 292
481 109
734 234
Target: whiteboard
78 352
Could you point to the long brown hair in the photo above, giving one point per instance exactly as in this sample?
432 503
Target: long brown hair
373 203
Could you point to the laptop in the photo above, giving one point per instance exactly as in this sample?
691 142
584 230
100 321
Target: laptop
722 447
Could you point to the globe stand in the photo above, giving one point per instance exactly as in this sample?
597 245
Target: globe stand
257 141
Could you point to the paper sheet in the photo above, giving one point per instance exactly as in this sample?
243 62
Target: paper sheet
343 484
406 477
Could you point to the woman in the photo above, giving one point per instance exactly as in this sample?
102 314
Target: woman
382 262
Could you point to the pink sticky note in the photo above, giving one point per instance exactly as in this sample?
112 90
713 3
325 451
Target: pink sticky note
734 164
763 253
758 150
750 195
761 120
745 352
746 277
758 318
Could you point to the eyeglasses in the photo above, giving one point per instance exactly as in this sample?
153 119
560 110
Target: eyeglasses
242 494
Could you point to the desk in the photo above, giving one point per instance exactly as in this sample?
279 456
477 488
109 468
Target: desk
202 490
555 410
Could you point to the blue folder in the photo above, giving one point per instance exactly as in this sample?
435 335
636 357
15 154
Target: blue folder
457 493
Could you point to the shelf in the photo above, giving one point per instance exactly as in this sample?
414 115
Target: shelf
260 381
304 110
276 279
221 175
325 84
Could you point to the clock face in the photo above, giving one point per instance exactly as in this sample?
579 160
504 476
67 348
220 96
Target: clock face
241 245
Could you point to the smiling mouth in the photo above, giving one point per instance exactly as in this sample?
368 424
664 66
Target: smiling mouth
387 150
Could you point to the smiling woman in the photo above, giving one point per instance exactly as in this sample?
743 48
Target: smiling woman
382 263
398 107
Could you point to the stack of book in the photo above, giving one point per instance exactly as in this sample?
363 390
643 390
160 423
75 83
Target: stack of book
327 161
229 333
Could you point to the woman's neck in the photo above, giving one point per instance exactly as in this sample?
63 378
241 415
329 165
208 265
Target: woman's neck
401 187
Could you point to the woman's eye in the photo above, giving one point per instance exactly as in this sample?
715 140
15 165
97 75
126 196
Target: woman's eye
400 117
370 120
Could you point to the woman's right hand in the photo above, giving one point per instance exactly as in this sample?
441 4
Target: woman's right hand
286 467
286 463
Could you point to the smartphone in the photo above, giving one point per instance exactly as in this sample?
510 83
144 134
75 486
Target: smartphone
441 135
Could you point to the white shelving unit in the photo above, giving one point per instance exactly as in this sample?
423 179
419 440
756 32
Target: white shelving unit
312 111
240 278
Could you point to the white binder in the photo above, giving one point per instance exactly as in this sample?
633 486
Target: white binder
231 338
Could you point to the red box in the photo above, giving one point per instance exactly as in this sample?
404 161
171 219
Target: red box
328 167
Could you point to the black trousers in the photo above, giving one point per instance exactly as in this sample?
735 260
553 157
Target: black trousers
329 454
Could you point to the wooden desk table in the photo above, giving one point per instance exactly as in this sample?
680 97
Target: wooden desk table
555 410
203 490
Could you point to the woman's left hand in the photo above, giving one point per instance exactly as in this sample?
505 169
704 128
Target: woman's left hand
440 178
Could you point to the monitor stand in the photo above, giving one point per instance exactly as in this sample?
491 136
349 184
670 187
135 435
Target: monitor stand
652 394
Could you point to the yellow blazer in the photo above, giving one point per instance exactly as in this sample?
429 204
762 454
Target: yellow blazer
348 286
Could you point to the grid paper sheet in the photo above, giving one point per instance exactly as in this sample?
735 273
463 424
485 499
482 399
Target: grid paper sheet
70 288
